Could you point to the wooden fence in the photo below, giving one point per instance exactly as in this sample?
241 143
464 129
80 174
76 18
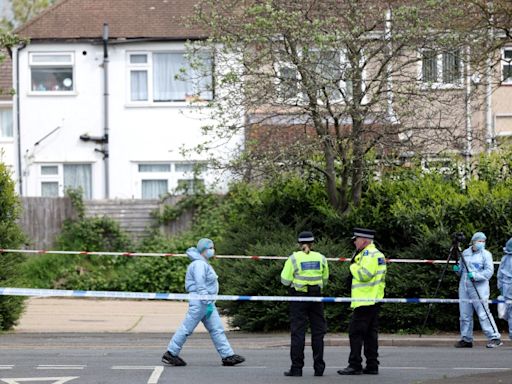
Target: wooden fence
42 217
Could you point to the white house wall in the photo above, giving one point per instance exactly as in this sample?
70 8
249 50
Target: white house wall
137 133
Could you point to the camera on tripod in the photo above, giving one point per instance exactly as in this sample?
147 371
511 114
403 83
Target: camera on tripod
458 237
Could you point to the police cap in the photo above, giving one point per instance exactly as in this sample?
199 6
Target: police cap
306 237
363 232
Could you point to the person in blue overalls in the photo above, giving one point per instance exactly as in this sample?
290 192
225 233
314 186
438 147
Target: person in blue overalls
201 279
505 281
475 270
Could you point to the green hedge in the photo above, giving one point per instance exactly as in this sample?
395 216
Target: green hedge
415 214
11 236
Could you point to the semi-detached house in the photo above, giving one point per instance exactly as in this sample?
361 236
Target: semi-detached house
105 104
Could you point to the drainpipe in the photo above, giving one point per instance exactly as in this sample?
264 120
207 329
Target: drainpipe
18 124
105 149
469 128
489 132
389 70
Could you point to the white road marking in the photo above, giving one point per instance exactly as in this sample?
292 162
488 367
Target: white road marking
153 379
43 366
6 366
482 368
54 380
155 375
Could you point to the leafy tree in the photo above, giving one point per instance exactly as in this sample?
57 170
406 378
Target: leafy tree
23 11
320 85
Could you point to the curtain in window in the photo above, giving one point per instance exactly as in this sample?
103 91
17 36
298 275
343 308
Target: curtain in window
429 67
6 122
166 68
49 189
451 67
78 176
139 85
154 167
153 189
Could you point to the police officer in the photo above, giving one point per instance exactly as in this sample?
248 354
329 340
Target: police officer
306 272
368 270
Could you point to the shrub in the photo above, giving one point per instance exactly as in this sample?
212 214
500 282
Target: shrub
11 236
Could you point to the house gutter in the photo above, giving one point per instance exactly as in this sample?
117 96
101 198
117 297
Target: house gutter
105 149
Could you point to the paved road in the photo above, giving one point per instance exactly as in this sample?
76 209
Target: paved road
135 359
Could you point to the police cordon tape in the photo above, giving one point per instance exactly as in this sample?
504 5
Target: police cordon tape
154 254
32 292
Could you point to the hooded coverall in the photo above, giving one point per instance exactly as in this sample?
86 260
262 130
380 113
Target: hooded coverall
505 284
481 265
202 280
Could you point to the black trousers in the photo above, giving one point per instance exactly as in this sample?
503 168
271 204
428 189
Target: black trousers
300 314
364 331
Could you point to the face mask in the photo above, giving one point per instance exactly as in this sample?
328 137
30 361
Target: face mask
209 252
479 246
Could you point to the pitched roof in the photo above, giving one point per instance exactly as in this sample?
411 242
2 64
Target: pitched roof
130 19
5 78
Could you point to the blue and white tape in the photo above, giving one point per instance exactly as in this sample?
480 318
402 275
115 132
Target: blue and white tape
9 291
241 257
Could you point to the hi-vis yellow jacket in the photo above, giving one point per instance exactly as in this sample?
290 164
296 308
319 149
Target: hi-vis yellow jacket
302 269
368 276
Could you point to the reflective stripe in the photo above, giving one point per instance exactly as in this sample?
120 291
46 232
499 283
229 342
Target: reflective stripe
365 271
372 284
294 263
285 282
308 278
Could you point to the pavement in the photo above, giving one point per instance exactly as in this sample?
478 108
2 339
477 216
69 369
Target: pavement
85 315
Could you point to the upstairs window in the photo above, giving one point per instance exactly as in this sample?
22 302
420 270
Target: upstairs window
159 77
329 71
51 72
506 65
441 68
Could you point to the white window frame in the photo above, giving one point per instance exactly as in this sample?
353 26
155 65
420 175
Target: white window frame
148 67
439 83
59 177
50 65
301 97
504 62
173 176
6 108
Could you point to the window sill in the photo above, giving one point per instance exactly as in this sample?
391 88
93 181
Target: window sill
7 140
440 86
52 93
177 104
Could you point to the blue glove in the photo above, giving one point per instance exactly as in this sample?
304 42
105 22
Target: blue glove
456 268
209 310
471 276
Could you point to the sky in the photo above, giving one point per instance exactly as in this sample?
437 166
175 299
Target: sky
3 7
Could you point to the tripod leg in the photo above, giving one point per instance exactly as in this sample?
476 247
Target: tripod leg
439 280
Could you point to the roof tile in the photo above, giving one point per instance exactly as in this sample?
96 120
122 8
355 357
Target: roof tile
83 19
